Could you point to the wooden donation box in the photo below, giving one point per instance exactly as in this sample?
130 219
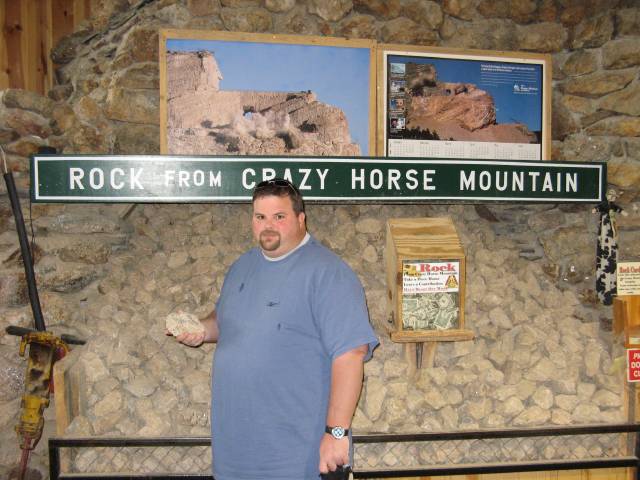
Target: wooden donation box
426 280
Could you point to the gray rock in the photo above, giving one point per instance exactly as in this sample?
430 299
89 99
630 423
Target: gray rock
425 13
394 369
246 19
201 8
437 375
543 397
111 403
628 21
369 226
461 377
542 37
141 387
512 407
585 413
404 30
279 6
560 417
585 391
620 53
27 100
543 371
593 31
133 106
358 26
532 416
375 393
624 101
136 139
435 399
449 416
330 10
94 368
606 399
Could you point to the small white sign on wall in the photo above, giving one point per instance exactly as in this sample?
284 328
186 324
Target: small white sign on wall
628 274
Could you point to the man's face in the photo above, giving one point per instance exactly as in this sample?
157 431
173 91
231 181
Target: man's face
275 225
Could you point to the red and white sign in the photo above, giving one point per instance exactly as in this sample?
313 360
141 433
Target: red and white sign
633 365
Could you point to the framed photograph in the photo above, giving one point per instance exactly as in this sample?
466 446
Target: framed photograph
225 93
463 104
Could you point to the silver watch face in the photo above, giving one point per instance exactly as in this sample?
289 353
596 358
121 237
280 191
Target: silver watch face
337 432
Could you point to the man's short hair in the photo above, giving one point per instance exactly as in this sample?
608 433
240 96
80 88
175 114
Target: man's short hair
279 187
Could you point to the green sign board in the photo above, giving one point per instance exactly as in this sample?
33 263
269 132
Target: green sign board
177 179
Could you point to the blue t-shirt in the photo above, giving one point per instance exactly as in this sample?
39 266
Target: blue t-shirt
281 325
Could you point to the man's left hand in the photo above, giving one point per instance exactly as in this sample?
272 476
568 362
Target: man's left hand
333 452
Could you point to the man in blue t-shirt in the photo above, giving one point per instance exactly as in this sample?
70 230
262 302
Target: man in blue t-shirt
293 333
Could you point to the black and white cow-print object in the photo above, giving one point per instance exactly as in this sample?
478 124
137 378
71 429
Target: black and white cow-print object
607 252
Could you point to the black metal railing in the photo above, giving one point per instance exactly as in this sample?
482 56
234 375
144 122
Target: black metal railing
467 452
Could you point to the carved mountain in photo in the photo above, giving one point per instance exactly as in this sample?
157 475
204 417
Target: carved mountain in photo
204 120
455 111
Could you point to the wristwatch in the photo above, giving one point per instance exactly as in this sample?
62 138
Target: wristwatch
336 432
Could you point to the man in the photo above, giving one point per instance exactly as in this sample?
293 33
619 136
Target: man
293 332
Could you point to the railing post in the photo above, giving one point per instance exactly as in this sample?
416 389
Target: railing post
637 454
54 460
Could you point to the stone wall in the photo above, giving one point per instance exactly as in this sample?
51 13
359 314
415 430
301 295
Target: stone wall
111 273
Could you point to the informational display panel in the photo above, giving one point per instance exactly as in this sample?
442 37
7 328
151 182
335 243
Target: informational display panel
159 178
460 104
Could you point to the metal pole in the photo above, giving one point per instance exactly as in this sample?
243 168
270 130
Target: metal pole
27 260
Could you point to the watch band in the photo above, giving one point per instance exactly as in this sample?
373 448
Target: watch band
336 432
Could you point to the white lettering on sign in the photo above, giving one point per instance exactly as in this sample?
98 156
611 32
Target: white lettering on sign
516 181
270 174
427 180
116 178
75 177
412 180
196 178
305 176
391 179
245 182
96 178
322 175
112 178
249 180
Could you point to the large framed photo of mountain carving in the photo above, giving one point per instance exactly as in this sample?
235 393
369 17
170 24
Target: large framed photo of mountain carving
463 104
225 93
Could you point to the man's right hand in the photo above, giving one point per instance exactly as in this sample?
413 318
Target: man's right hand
210 333
191 339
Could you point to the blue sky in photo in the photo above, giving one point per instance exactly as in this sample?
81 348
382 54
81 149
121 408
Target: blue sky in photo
499 80
339 76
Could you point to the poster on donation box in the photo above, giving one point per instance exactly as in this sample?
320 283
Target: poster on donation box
464 104
430 294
